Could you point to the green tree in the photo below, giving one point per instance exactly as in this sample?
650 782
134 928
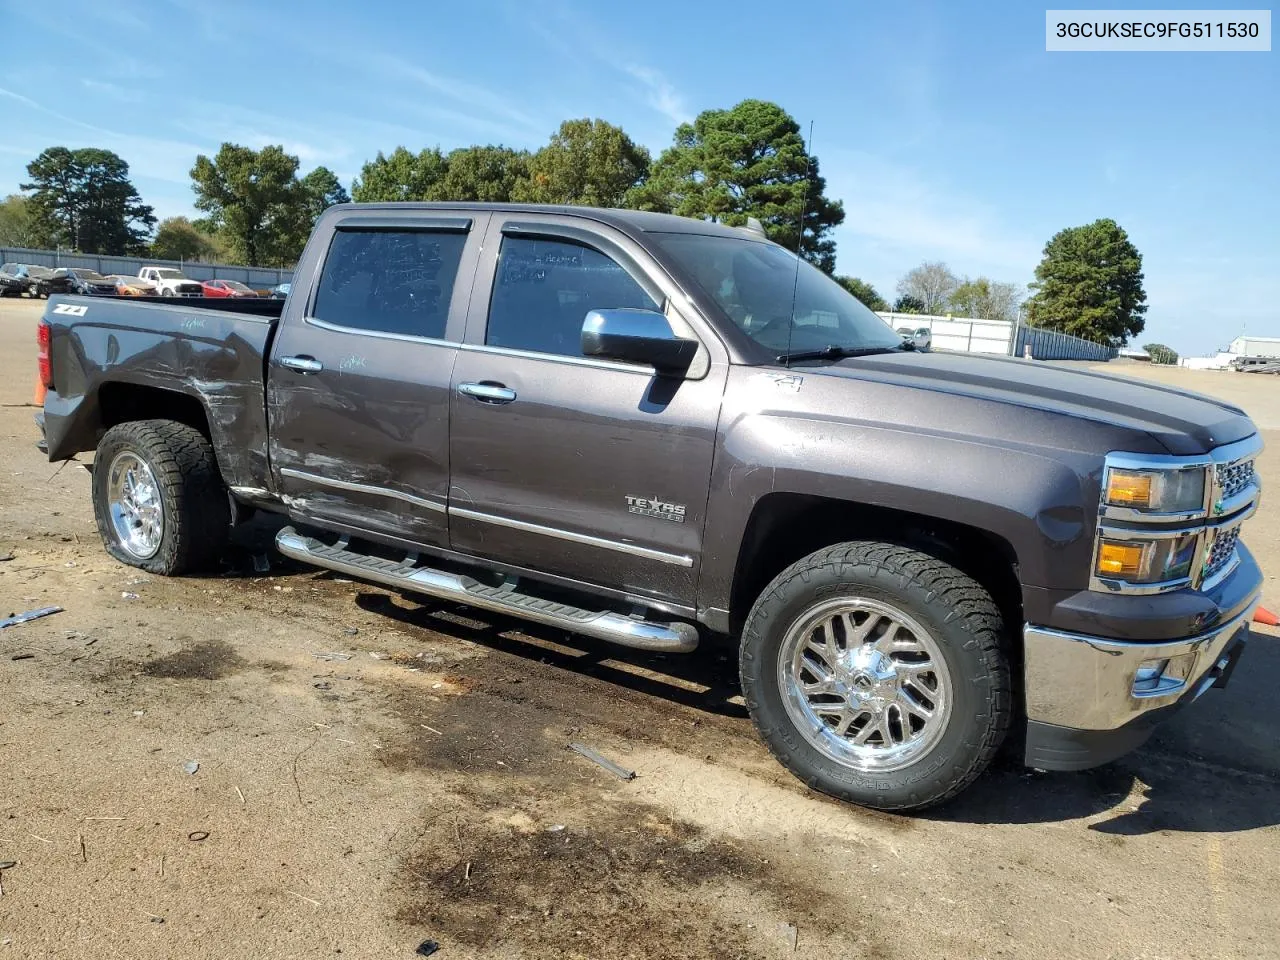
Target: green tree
906 303
17 227
322 190
864 292
749 161
83 199
1089 285
177 238
932 284
486 174
1159 353
401 176
588 162
985 299
256 203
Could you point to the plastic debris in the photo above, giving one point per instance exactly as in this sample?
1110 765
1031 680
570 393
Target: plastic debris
18 618
556 828
126 595
426 948
621 772
191 766
8 556
351 631
332 656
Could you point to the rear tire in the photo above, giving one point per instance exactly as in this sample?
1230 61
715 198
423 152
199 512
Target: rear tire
877 674
158 497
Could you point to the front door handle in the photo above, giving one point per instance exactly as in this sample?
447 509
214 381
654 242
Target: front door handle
487 392
302 364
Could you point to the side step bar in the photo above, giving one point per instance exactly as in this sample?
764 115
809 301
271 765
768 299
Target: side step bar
408 575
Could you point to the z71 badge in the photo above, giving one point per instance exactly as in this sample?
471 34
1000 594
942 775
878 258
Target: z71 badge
653 507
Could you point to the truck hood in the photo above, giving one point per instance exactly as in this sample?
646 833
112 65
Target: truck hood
1185 423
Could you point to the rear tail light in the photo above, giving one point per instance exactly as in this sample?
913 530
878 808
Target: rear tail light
43 339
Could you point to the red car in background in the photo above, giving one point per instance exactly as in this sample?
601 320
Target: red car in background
227 288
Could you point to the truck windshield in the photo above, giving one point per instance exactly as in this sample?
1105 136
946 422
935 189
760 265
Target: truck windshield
756 283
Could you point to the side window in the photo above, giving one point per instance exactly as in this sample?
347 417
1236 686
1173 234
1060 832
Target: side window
544 289
390 281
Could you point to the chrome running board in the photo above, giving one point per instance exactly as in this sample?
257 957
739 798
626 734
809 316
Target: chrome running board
408 575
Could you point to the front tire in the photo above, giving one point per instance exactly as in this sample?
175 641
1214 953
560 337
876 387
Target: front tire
878 674
158 497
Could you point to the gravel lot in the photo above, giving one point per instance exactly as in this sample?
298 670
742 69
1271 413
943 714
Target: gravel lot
374 773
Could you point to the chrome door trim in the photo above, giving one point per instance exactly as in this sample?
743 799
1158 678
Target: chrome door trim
361 488
675 559
377 334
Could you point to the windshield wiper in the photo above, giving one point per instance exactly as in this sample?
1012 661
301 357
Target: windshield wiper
833 352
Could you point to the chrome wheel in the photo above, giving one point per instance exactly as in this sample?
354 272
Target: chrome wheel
864 683
133 500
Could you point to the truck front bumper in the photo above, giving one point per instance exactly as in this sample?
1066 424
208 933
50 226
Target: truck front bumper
1090 699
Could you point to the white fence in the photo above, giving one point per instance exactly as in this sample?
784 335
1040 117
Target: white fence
969 335
960 334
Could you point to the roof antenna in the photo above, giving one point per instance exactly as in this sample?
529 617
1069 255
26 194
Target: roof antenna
804 205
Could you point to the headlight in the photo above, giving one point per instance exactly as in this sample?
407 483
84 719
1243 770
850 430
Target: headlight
1175 491
1162 560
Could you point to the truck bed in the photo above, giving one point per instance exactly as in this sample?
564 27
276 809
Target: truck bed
113 352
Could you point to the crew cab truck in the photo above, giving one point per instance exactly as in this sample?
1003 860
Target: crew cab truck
171 282
657 431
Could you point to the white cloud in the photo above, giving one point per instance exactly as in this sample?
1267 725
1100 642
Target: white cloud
660 94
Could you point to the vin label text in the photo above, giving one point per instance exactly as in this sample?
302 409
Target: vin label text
1154 31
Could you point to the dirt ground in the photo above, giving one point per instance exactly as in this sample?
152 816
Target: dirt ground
375 773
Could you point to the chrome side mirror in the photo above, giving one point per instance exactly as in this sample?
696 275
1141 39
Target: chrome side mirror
637 336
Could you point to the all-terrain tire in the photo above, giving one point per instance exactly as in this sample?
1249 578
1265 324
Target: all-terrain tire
965 625
196 512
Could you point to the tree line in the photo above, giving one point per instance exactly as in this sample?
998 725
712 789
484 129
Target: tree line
728 165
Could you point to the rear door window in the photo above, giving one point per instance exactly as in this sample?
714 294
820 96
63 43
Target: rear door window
544 288
390 281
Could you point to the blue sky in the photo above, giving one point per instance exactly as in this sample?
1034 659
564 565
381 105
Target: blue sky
946 129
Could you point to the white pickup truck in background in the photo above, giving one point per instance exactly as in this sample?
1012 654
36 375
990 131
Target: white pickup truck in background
170 282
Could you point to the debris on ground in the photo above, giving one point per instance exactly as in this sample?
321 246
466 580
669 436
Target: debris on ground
332 656
8 864
426 948
23 656
126 595
8 556
351 631
603 761
191 766
790 935
195 836
14 619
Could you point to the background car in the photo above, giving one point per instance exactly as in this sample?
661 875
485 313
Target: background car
81 280
30 278
280 291
227 288
921 337
133 286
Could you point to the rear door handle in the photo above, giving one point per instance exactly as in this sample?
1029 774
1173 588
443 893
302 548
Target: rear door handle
487 392
302 364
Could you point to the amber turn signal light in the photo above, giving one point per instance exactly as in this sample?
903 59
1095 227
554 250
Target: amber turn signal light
1129 489
1120 559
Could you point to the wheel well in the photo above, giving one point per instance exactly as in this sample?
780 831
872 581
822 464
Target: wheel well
122 402
785 527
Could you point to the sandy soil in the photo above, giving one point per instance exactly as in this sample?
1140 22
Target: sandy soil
375 772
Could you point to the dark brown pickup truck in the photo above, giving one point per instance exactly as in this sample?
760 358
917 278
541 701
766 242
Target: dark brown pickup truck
654 431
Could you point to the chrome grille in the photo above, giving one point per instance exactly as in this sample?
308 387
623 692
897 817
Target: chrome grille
1234 478
1220 554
